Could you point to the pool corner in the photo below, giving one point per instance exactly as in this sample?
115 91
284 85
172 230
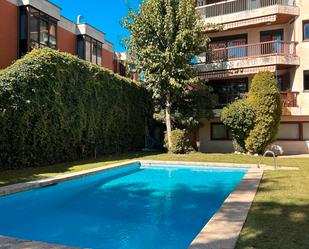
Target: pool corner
224 228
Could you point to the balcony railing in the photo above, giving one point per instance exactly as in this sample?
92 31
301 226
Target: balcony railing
277 48
234 6
289 99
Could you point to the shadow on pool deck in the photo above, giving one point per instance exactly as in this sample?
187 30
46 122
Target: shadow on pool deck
40 172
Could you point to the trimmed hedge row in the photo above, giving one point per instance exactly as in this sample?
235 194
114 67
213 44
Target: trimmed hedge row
55 107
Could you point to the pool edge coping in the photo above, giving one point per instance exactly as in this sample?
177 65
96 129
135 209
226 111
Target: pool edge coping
200 242
24 186
223 229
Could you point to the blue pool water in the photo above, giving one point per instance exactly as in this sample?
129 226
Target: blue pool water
129 208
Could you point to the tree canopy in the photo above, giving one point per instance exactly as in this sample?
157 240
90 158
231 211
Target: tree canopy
165 36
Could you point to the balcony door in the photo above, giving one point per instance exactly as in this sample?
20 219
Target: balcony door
268 38
225 48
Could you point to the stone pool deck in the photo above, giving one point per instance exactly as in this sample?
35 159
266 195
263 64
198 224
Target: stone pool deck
8 243
221 232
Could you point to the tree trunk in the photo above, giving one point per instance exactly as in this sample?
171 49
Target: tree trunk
168 121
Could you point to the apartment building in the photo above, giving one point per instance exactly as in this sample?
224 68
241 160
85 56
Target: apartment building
257 35
124 65
28 24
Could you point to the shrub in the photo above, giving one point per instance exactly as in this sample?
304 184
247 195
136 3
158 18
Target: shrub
55 107
264 97
180 142
239 118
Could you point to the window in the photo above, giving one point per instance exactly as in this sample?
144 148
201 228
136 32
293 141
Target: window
284 82
37 29
306 80
42 29
89 49
122 69
53 35
272 35
44 34
220 132
306 30
228 90
289 131
97 52
298 131
305 131
34 29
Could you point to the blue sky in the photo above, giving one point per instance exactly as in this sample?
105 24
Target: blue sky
103 14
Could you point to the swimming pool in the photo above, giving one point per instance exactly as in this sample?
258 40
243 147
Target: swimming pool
135 206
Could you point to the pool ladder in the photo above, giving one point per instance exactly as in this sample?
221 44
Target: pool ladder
264 155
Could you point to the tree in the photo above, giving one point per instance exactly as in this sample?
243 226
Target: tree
165 36
197 101
264 97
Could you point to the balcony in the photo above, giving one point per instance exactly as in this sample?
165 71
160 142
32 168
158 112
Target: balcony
291 105
242 57
240 13
289 99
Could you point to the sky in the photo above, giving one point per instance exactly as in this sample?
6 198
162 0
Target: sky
105 15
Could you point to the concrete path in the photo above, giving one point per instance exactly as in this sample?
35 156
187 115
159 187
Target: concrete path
12 243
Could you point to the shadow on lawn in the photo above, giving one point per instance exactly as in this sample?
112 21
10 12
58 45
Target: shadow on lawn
36 173
271 225
278 223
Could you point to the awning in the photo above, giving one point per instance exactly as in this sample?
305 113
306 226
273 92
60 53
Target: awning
235 72
248 22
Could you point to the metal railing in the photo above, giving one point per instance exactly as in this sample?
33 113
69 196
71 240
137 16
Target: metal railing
234 6
278 48
289 99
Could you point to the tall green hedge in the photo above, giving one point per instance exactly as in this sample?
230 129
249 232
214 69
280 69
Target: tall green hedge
55 107
264 98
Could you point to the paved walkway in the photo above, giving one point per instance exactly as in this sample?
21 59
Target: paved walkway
295 156
12 243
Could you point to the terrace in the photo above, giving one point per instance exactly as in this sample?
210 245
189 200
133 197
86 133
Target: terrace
288 99
240 13
246 56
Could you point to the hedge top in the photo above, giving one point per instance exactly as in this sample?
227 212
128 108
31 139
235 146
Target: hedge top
55 107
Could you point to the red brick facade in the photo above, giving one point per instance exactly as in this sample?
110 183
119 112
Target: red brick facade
66 41
108 59
8 33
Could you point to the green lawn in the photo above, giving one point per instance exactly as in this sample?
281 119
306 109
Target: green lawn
279 217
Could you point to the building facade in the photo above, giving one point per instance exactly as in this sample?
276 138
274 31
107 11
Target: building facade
124 65
29 24
257 35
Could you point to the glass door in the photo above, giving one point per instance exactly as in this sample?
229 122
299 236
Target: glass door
225 48
269 47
